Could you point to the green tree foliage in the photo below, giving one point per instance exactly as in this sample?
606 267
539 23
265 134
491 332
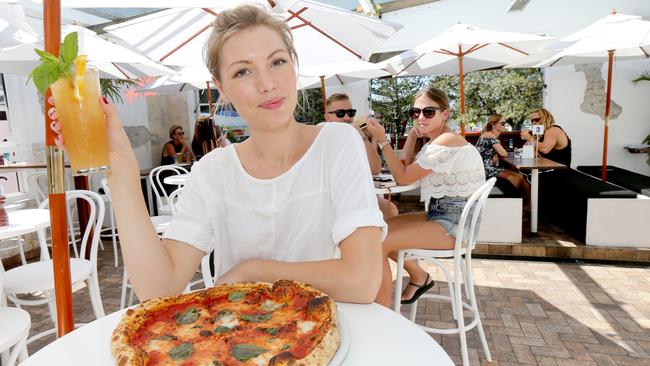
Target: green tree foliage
310 106
111 88
510 92
392 97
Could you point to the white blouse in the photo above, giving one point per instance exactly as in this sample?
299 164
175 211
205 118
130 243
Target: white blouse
301 215
455 171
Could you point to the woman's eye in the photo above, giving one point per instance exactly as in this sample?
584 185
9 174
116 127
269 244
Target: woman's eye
279 61
241 73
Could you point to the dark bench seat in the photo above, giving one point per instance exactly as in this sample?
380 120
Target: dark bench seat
621 177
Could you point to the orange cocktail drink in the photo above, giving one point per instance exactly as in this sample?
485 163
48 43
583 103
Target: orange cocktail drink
76 97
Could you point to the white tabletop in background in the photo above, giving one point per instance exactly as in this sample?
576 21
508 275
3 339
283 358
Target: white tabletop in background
25 221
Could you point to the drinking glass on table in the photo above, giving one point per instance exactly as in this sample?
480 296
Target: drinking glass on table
76 96
526 126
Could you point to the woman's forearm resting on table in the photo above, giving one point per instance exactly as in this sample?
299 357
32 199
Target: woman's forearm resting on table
355 277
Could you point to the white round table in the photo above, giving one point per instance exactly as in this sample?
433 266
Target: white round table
176 180
378 336
391 187
22 222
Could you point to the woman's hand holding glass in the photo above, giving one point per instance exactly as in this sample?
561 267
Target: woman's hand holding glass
120 151
375 129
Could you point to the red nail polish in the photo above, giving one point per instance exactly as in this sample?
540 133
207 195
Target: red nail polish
104 100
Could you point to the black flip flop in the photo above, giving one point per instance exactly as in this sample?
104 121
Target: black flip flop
420 291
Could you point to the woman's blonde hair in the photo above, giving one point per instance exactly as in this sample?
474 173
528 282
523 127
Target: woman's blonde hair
546 116
173 129
491 121
232 21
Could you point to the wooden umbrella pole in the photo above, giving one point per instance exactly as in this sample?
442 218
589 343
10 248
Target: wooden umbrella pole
322 90
207 83
56 187
462 91
608 100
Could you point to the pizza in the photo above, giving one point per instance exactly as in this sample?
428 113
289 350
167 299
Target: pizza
284 323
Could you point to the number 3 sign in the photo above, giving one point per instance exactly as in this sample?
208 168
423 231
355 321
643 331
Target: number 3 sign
538 129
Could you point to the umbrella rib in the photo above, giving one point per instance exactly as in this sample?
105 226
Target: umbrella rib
446 52
644 52
208 10
185 42
310 24
409 65
120 70
513 48
340 81
295 15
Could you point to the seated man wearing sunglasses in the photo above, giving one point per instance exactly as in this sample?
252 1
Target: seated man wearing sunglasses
339 109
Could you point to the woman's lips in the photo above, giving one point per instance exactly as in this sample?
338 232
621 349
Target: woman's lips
274 103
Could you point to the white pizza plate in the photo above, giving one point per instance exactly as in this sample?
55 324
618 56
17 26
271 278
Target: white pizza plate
344 341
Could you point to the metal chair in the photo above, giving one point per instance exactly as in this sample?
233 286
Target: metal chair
13 332
33 283
158 186
461 254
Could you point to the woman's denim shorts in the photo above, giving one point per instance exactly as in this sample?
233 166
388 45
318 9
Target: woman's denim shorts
446 211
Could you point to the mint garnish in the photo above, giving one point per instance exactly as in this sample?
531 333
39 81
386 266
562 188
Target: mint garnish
52 68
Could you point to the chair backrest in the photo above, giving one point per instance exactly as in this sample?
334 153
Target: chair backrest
37 185
173 200
95 220
157 184
468 224
107 191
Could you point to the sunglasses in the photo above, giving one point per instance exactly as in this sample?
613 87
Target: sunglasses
340 113
535 120
428 112
180 133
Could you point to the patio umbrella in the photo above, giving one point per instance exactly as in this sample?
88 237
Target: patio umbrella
14 29
112 60
338 74
464 48
322 33
624 36
185 79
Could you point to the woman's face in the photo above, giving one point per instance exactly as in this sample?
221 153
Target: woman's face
426 125
536 118
259 79
178 134
501 125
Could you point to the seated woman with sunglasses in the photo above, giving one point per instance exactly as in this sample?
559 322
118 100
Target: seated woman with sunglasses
175 146
450 169
489 146
555 144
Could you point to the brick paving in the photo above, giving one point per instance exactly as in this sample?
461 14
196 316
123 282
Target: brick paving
534 313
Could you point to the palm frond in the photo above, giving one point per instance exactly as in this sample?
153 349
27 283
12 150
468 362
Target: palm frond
111 88
643 77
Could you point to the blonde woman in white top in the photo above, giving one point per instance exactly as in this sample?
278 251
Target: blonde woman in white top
292 201
450 170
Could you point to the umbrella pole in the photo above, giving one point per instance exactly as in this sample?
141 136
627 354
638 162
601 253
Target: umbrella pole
322 90
56 187
608 100
207 83
462 91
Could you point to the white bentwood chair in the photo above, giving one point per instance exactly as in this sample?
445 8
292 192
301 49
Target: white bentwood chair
468 227
33 283
14 329
158 186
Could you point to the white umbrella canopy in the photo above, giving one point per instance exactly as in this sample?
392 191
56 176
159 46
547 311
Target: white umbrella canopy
322 33
480 49
464 48
185 79
14 29
113 61
338 73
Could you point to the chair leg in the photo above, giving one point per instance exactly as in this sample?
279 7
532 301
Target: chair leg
450 282
469 283
95 296
397 301
413 311
125 284
131 297
456 298
114 236
23 259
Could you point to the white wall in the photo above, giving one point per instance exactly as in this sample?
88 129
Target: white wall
566 87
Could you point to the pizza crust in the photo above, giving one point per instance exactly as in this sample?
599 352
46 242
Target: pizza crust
127 355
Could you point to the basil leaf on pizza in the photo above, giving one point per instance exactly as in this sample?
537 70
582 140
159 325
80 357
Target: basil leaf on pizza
181 352
257 318
189 316
244 352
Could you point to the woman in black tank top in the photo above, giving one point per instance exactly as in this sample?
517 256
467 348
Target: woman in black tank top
552 145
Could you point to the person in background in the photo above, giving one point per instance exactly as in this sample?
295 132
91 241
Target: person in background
555 144
293 201
339 109
450 170
489 146
175 146
206 137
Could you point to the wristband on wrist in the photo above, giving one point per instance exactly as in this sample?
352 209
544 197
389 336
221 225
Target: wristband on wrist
383 144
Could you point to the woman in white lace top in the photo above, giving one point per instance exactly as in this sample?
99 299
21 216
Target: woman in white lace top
450 169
